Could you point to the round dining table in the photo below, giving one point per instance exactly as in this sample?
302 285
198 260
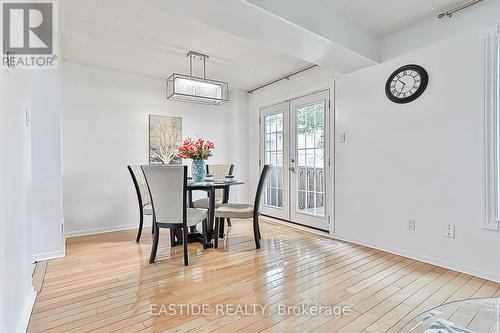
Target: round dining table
209 187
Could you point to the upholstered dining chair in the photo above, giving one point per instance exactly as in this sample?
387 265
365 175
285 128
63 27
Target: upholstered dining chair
246 211
219 171
167 190
141 189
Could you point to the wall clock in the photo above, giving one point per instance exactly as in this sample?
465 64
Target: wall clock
406 84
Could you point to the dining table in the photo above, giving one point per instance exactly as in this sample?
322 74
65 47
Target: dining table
209 187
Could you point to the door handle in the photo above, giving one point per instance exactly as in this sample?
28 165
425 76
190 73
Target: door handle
292 169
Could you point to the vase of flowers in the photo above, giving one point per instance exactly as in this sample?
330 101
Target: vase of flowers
198 150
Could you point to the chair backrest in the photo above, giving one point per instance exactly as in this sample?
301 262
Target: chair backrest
167 189
219 171
260 187
141 187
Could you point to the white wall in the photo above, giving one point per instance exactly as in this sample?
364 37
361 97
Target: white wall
238 150
16 293
421 160
104 128
47 214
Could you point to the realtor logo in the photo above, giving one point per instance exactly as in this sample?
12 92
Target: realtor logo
29 38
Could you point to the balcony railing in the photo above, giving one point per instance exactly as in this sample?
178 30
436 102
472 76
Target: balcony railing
310 189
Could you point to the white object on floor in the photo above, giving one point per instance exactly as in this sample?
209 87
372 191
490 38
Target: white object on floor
444 326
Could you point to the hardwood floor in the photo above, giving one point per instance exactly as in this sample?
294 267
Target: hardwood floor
106 284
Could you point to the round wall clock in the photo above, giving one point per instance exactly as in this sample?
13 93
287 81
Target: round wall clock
406 84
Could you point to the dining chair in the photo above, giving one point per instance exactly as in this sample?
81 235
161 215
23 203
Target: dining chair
246 211
141 189
167 189
219 171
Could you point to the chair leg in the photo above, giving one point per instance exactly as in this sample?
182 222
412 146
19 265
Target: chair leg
154 247
185 243
139 231
152 228
256 231
172 236
216 233
221 227
229 222
204 225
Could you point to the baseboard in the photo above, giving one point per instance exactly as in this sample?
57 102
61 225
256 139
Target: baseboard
103 230
49 255
294 226
24 318
416 256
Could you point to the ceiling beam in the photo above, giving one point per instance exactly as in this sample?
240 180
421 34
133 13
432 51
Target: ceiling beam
321 19
341 50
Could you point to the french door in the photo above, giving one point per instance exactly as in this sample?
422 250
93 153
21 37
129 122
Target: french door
295 141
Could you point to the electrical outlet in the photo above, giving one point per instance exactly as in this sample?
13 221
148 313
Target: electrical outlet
449 231
411 224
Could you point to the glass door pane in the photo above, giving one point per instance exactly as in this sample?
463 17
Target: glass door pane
274 151
310 135
309 146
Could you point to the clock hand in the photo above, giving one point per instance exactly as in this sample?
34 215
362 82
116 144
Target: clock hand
403 87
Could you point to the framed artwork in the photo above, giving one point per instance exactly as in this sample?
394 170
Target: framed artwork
165 138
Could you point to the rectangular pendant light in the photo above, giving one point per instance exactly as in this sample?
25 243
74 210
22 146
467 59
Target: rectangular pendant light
189 88
197 90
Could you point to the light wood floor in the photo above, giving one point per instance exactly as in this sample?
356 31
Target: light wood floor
106 284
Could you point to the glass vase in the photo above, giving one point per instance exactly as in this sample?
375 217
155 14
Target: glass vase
198 170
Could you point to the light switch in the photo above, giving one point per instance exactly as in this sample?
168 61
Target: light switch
341 138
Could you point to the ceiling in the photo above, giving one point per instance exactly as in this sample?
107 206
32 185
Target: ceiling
141 38
383 17
247 46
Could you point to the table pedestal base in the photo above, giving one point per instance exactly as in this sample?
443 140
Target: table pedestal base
193 237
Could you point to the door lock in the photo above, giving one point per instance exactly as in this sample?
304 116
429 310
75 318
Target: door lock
292 169
292 160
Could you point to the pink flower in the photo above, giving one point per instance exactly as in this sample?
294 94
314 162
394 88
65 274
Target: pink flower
195 149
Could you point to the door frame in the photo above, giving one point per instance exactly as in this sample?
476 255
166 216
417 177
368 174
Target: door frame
332 112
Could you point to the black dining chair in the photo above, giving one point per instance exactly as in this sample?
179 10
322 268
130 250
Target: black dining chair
141 189
167 189
246 211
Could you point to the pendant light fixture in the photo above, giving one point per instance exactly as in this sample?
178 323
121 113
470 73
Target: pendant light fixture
189 88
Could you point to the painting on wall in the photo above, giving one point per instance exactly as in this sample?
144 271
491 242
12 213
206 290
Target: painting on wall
165 138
